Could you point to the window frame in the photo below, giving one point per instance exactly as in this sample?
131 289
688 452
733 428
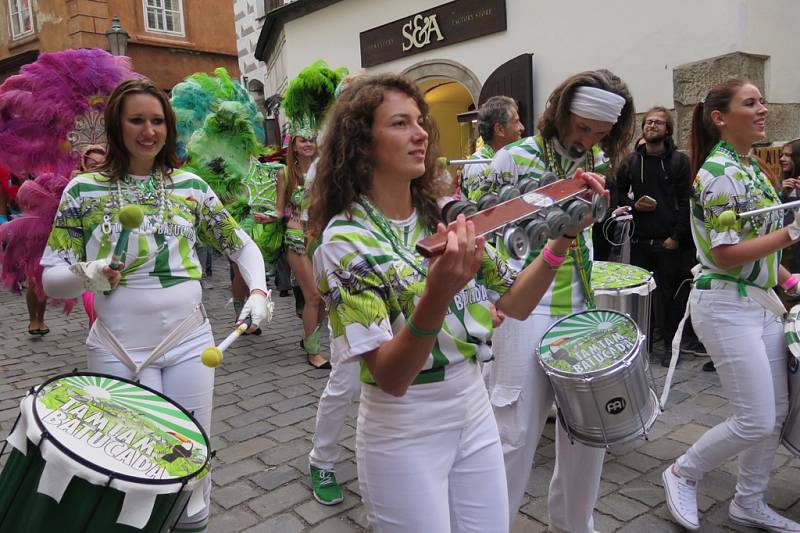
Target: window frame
161 14
17 10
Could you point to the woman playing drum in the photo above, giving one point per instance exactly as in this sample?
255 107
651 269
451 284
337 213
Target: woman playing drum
734 310
152 307
428 451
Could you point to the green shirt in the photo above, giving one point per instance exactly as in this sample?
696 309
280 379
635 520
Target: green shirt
153 260
526 159
725 182
371 289
474 181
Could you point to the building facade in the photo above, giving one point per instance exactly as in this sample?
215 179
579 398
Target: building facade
168 39
669 55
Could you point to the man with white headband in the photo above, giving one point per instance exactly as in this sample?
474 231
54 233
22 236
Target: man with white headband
587 124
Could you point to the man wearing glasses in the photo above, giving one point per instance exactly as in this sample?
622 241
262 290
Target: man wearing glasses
654 182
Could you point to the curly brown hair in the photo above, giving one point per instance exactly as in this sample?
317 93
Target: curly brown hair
557 113
117 156
345 166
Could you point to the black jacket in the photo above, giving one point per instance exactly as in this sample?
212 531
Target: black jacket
665 177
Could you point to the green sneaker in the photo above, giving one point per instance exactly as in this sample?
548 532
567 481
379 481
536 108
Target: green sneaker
326 490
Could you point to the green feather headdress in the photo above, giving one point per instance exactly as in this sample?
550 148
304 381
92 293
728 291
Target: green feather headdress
308 97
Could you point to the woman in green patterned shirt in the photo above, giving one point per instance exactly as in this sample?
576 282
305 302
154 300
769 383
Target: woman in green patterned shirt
428 451
734 309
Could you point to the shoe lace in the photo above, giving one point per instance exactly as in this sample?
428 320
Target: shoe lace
767 514
327 478
687 493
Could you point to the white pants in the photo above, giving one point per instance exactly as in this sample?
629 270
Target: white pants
521 397
180 375
342 388
746 343
446 482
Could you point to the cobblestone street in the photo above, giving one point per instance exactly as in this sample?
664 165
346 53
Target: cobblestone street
264 408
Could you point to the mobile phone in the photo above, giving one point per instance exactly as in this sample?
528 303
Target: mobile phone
650 199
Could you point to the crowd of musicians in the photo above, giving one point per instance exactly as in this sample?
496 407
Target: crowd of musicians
442 351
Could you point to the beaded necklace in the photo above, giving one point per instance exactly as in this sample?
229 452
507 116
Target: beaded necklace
399 248
553 163
149 191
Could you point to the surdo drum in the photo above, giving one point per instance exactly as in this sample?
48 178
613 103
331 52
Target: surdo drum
98 454
624 288
597 365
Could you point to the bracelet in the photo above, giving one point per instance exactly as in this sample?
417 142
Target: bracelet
553 261
790 283
421 332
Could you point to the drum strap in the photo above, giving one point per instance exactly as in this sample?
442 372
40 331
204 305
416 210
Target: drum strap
196 319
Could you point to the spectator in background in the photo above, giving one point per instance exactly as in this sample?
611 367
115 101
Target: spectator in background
654 181
790 190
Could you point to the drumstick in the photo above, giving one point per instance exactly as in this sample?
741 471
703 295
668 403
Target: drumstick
212 356
728 218
131 217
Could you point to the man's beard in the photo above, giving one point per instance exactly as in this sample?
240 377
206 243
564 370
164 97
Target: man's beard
575 152
659 137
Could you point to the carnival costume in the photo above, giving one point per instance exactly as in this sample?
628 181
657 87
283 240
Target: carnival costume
49 113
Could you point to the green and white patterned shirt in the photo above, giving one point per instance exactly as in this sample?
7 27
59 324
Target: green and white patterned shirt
371 290
262 187
526 158
163 259
474 181
724 182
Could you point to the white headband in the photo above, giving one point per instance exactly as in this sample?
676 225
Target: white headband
597 104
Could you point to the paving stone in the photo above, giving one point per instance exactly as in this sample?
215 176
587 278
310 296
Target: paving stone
646 493
281 453
279 499
275 477
237 452
293 417
620 507
639 461
688 433
664 449
234 494
651 524
248 431
225 474
526 525
312 511
232 520
334 525
286 434
617 473
284 523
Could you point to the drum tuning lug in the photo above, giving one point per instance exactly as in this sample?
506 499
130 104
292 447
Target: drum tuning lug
516 242
536 231
547 178
507 192
486 201
557 221
599 207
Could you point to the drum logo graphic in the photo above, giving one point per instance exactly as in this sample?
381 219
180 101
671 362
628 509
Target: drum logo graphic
537 200
122 427
588 341
615 406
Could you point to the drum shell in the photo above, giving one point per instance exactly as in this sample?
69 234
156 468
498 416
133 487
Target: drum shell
629 302
84 508
584 400
790 437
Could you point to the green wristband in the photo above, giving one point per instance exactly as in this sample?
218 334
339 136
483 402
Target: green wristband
421 332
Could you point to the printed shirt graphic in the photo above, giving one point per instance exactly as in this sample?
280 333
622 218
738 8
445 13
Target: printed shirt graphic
155 260
525 158
370 291
476 180
724 182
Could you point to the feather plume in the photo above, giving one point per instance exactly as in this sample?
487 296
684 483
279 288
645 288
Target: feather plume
309 95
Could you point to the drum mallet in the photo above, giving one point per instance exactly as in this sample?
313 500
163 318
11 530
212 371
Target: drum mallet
727 219
131 217
212 356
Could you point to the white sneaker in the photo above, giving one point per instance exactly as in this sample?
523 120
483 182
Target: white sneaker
681 498
763 517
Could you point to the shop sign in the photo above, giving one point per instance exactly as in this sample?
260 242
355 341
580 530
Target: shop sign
446 24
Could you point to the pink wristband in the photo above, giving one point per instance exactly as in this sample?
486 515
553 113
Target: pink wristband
790 282
553 260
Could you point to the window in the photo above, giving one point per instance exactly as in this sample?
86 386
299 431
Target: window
21 18
165 16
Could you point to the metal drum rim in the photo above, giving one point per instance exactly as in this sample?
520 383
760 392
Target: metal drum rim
105 471
637 347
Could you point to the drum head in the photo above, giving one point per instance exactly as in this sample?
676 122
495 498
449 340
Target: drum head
791 331
608 275
588 342
120 428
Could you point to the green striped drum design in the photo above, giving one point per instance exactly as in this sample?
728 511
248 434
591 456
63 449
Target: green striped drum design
609 275
588 341
790 331
122 427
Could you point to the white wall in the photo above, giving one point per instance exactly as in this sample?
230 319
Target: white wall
642 42
248 16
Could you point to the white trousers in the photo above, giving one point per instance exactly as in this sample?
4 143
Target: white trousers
746 343
180 375
342 388
521 397
446 482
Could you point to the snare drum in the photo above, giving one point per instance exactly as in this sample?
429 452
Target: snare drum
790 437
596 363
624 288
100 454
